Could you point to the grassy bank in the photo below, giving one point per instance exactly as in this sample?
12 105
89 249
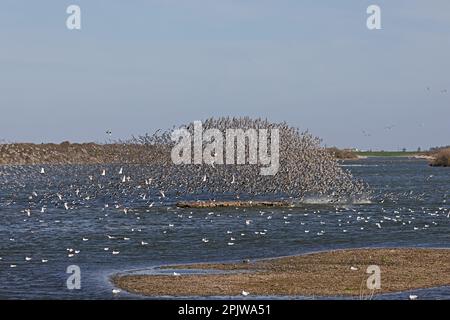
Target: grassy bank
388 153
75 153
333 273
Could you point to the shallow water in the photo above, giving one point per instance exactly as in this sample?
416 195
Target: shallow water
409 204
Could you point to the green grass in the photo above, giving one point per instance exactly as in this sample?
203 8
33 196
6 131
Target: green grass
387 153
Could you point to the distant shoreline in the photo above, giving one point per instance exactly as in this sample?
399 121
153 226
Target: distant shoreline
329 273
113 153
388 154
75 153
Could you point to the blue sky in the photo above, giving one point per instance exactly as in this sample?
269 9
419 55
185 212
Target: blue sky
136 66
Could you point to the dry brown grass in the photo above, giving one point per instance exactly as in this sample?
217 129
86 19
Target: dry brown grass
317 274
441 158
342 154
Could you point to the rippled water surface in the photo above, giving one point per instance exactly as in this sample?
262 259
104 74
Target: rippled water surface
409 209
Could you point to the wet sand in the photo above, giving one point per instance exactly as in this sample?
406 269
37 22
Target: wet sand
329 273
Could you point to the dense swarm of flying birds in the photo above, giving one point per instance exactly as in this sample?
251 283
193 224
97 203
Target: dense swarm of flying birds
305 168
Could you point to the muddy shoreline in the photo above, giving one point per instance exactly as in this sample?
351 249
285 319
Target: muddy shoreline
330 273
